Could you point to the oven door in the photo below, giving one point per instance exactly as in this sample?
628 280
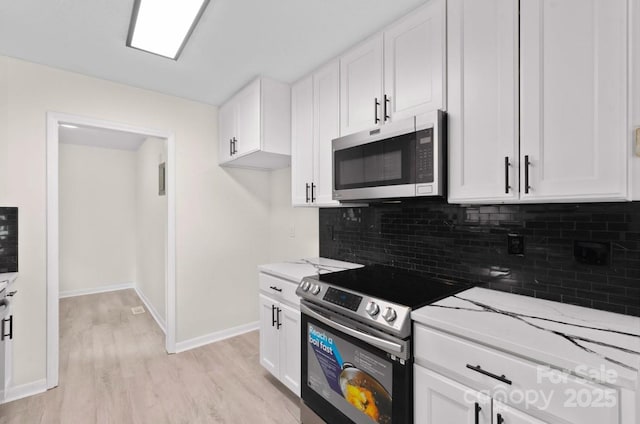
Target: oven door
349 376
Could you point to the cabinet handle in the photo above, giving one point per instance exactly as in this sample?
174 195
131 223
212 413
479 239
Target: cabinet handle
500 419
507 187
275 288
273 315
307 192
479 369
12 293
278 318
526 174
386 101
4 335
478 408
313 195
235 144
230 147
376 103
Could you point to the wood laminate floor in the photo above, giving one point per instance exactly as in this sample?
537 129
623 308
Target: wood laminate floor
114 369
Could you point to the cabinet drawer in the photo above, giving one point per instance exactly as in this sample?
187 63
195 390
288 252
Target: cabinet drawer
279 288
528 386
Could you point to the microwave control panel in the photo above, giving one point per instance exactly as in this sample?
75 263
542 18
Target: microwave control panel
424 156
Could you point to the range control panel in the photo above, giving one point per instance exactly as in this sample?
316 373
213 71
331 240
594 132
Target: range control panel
342 298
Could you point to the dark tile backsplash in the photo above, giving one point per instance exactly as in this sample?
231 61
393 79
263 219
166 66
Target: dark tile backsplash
8 239
469 243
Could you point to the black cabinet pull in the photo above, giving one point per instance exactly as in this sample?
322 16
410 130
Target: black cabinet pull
230 147
278 318
273 315
12 293
307 192
479 369
313 195
235 145
500 419
526 174
376 103
4 335
387 100
506 174
477 411
275 288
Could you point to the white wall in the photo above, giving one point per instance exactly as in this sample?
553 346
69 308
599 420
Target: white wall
97 217
222 216
151 226
293 232
635 94
4 122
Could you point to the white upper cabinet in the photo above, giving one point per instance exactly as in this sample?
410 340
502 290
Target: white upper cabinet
315 123
564 136
483 99
326 106
361 86
254 126
574 99
414 52
397 73
302 149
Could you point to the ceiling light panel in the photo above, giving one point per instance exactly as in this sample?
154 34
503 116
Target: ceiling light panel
163 27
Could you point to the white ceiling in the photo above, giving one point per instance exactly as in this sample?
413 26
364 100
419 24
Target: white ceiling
235 41
100 137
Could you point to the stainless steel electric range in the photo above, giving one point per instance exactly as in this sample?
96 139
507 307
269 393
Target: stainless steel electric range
357 362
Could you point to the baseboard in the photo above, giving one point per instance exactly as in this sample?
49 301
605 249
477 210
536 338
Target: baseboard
25 390
152 310
103 289
216 336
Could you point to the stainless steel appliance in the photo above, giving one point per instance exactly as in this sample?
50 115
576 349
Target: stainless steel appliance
401 159
356 360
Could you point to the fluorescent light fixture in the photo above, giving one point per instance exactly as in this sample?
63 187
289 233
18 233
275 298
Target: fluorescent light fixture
163 27
68 126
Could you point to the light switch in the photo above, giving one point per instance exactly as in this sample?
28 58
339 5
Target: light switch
292 231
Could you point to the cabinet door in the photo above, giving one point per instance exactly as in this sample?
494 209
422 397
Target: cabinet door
440 400
574 99
502 414
269 336
302 155
326 108
290 348
361 87
414 60
226 130
248 118
483 100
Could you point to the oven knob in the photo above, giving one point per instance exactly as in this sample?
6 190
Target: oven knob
372 309
304 286
389 315
315 289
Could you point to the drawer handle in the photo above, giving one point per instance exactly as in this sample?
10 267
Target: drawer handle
275 288
477 413
500 419
502 378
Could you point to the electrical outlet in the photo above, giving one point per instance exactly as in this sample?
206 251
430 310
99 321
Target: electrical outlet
515 244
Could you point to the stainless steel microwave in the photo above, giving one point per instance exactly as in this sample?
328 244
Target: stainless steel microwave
401 159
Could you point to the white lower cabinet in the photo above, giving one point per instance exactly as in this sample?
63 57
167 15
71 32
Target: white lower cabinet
460 381
280 340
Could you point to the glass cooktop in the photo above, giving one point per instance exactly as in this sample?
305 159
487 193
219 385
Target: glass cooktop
394 285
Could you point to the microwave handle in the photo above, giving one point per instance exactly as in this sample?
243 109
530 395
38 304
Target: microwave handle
385 345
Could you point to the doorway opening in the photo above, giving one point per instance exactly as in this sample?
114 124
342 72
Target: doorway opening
155 153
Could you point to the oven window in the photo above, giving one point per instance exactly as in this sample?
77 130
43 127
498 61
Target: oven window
381 163
355 381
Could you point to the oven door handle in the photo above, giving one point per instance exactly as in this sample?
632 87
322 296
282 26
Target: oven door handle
372 340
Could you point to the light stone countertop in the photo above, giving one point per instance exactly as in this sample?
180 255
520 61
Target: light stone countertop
579 340
296 270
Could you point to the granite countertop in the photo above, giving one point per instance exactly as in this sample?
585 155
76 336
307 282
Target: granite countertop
580 340
296 270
